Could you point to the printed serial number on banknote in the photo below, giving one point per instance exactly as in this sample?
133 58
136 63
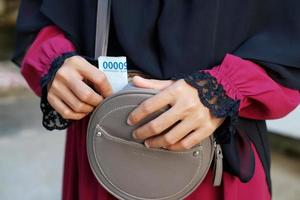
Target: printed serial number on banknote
115 69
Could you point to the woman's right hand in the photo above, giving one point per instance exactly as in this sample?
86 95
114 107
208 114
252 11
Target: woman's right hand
70 93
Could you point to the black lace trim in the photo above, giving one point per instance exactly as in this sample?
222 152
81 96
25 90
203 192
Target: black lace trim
51 119
214 97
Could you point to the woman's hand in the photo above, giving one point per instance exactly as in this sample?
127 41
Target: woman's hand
196 122
70 95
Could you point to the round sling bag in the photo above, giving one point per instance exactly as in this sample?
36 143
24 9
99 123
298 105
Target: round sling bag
131 171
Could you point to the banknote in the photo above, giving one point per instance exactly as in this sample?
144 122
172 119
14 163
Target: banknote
115 69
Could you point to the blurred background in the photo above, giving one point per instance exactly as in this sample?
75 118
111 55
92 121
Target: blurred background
31 158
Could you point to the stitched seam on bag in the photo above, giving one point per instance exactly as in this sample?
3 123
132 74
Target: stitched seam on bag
117 188
138 145
122 107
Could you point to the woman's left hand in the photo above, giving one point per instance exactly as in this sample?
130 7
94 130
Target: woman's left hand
195 121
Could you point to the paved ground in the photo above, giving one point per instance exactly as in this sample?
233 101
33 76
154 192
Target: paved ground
286 177
11 82
31 158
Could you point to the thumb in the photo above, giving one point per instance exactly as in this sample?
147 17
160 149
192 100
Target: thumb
151 83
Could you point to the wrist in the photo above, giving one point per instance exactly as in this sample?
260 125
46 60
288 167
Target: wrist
55 65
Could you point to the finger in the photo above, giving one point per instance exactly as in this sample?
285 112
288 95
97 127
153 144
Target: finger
97 77
149 106
84 92
63 109
191 140
64 93
151 83
159 124
173 136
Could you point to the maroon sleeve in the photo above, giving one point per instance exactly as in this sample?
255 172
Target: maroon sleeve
48 45
260 96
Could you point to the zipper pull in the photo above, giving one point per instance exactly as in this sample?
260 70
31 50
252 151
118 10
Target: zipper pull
218 165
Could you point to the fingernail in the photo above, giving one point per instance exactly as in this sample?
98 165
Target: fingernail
129 121
134 135
146 144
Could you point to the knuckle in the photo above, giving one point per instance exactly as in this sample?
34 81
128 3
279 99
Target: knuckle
192 104
190 107
89 109
146 107
178 111
86 96
54 85
182 82
199 116
49 97
79 107
99 99
101 78
169 139
61 72
174 91
178 87
187 111
98 81
153 127
65 114
210 126
72 59
185 145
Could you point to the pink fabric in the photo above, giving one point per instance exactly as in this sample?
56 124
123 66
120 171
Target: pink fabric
49 44
261 97
241 79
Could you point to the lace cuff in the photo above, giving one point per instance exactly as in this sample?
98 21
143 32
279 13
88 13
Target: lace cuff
51 119
214 97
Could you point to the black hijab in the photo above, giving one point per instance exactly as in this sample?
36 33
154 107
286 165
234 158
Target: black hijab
169 37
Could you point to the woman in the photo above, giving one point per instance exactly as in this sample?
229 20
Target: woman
224 67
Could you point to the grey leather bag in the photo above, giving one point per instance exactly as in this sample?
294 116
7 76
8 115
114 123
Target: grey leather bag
129 170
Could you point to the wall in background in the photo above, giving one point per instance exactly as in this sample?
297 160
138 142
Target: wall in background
8 12
287 126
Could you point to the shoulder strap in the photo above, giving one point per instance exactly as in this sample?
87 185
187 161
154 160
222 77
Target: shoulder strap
102 27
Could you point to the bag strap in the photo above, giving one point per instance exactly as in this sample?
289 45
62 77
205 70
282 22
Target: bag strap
102 27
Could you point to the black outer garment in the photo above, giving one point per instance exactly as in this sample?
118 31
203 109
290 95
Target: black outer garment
165 38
